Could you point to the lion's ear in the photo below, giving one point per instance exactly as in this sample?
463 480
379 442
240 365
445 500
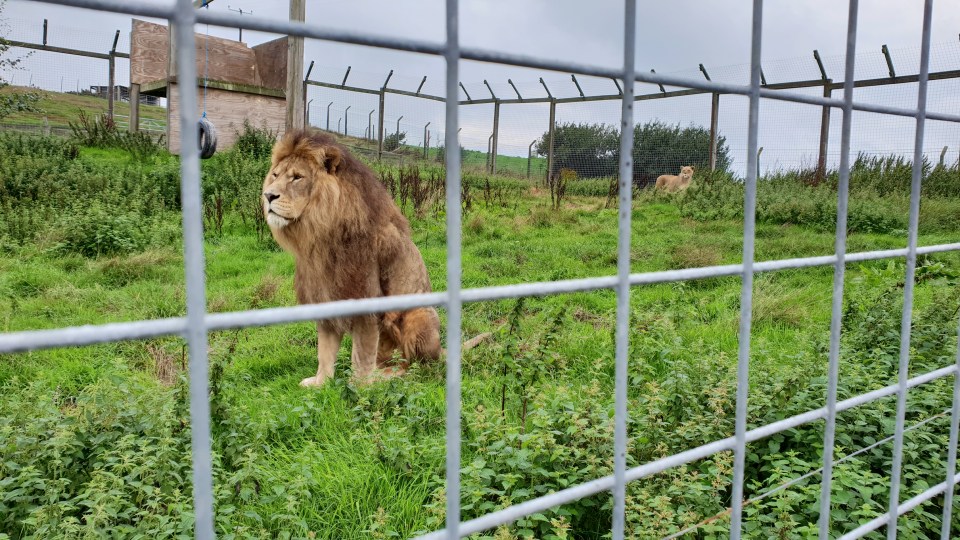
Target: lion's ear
331 159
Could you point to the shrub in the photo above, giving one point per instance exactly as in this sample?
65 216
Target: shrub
393 141
101 131
255 142
95 230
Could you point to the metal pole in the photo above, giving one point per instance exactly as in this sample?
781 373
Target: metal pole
380 122
111 77
515 89
943 154
824 132
193 260
294 118
370 124
886 55
489 148
398 130
425 141
574 79
306 111
714 121
454 277
339 121
496 136
328 115
530 156
44 31
746 292
625 213
907 311
553 125
345 118
840 248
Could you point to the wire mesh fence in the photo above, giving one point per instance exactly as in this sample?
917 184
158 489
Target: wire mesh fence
615 156
676 126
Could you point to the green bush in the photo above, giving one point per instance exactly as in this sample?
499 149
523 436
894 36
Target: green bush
255 142
101 132
95 230
787 198
394 141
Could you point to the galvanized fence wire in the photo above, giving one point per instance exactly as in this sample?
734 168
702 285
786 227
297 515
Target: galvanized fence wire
195 326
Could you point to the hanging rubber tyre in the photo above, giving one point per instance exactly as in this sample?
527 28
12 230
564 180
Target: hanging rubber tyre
207 139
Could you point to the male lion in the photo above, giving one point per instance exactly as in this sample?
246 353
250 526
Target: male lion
671 183
350 241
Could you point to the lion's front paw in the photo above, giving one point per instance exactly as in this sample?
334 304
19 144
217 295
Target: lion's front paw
313 381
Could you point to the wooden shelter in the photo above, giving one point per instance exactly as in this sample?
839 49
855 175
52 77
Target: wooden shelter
242 83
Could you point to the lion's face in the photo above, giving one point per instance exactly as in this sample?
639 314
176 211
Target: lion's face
296 182
686 172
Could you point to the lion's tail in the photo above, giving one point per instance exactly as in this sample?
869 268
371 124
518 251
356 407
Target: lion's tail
470 343
473 342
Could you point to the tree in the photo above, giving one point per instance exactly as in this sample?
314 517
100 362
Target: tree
589 149
659 148
12 101
393 141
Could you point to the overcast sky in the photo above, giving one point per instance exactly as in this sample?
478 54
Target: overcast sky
673 37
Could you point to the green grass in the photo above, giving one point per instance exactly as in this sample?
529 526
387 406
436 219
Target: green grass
367 462
59 108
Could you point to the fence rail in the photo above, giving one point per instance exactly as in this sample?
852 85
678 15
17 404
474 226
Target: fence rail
196 325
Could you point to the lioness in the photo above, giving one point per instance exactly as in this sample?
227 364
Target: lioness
350 241
671 183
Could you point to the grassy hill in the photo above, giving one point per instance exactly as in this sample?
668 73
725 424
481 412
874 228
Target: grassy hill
59 109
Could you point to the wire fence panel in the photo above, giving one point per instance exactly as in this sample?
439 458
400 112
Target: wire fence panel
473 127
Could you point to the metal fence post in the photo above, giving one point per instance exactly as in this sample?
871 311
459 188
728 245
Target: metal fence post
839 270
426 141
906 318
454 278
111 78
380 125
824 132
530 156
746 292
714 121
553 127
625 213
193 260
496 135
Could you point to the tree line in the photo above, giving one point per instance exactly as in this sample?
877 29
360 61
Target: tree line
593 150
